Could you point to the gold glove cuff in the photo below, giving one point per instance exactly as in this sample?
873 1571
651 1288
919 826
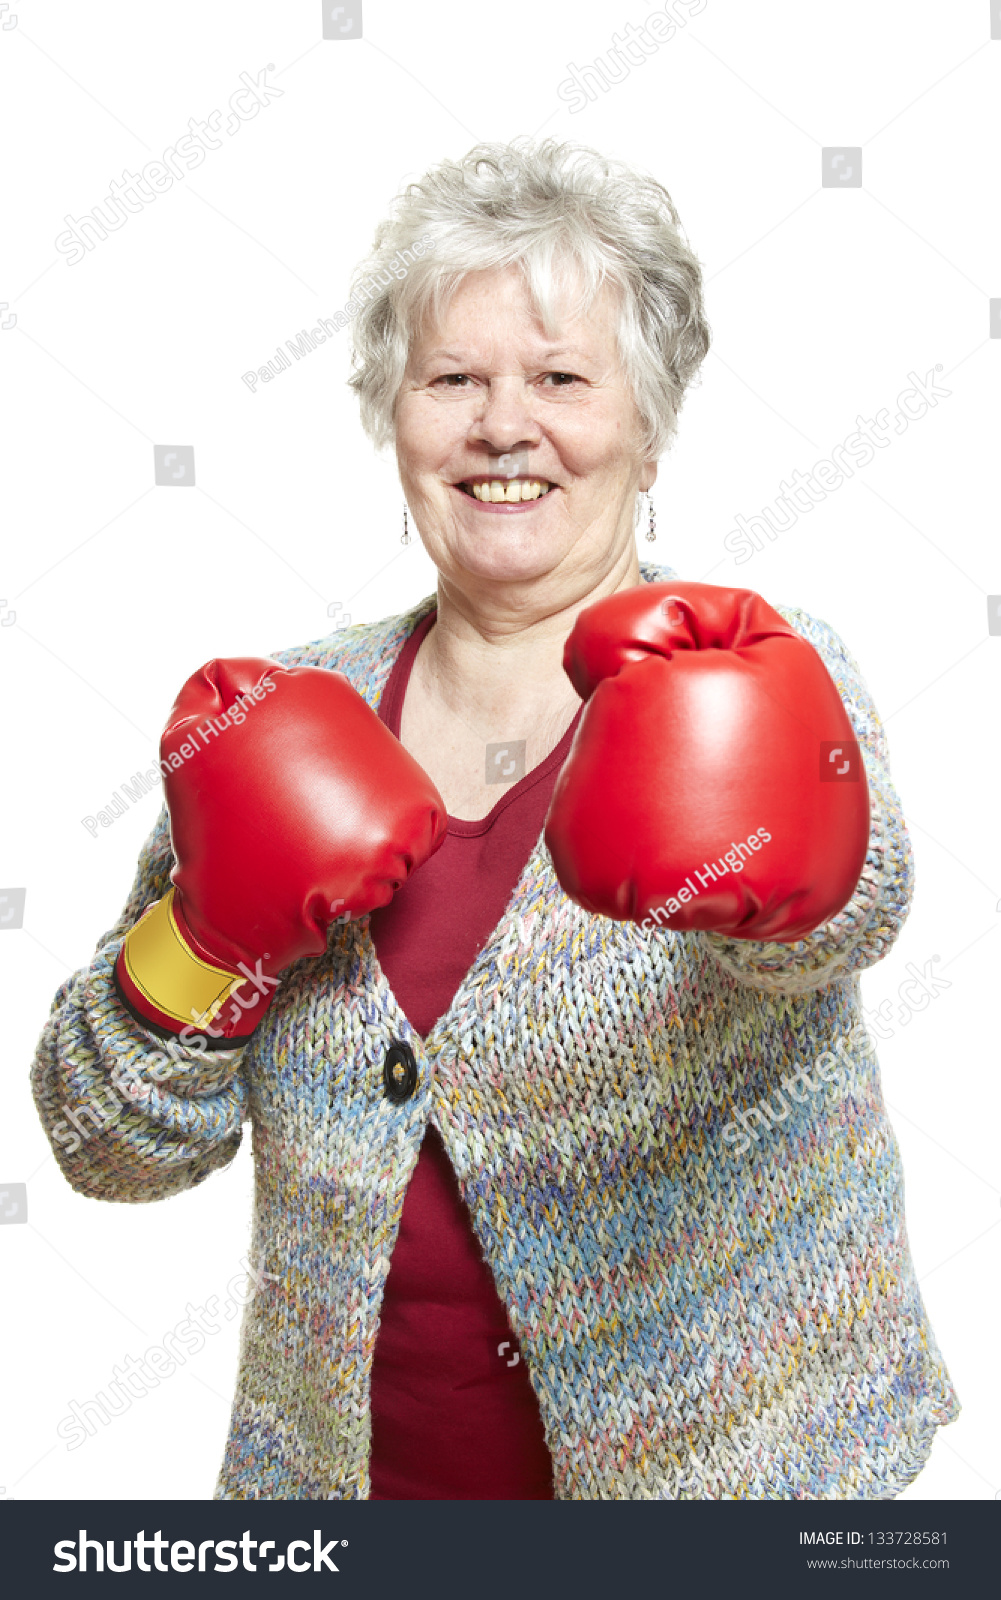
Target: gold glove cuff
168 974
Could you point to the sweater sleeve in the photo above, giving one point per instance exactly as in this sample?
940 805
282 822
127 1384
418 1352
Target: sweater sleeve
128 1118
864 930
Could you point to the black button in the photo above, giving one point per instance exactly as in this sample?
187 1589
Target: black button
399 1072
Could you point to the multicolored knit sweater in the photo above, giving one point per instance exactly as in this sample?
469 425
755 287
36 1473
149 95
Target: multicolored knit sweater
704 1260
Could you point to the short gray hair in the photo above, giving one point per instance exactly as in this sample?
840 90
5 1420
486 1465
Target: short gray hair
569 218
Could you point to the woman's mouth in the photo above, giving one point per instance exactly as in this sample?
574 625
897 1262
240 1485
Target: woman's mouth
509 491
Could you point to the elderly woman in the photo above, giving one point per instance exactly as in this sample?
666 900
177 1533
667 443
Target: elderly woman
526 929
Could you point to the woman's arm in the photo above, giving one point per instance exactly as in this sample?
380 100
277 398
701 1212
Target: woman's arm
130 1118
864 930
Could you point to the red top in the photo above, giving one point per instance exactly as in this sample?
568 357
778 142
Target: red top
452 1418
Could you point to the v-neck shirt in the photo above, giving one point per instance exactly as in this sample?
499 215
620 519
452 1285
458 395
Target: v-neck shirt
454 1415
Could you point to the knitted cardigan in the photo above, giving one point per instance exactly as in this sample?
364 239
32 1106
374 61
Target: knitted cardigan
706 1263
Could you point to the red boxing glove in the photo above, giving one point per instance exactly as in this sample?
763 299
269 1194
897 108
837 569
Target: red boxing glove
291 805
692 796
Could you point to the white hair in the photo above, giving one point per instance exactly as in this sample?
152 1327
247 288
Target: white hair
572 221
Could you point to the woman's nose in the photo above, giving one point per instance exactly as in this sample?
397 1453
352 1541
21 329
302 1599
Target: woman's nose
505 418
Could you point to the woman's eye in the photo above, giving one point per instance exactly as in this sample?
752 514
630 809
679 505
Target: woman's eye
462 380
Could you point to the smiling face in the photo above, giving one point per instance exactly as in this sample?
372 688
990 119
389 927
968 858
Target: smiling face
520 454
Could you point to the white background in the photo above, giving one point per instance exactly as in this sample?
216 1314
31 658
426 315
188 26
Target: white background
821 303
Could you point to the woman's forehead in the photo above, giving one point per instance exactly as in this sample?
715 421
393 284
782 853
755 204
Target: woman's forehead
490 311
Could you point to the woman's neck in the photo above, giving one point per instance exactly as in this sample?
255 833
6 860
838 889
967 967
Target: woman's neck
498 656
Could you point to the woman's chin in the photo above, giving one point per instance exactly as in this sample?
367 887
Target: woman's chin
506 556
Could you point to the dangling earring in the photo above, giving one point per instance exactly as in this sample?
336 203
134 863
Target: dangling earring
405 535
651 531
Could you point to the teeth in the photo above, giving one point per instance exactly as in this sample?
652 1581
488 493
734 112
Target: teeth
515 489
